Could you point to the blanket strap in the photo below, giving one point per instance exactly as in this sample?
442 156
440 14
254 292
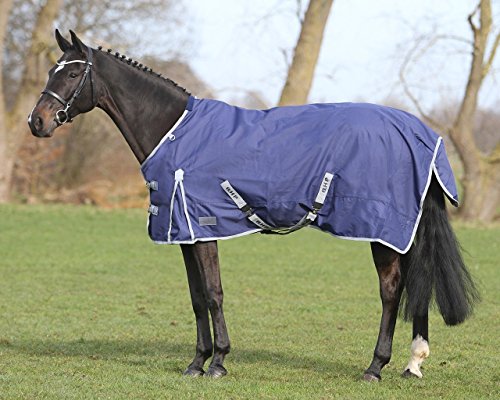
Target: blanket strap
244 207
152 185
179 178
304 221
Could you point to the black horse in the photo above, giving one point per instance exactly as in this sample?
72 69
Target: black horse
144 106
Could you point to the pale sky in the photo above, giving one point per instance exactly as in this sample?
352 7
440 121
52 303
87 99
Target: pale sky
240 44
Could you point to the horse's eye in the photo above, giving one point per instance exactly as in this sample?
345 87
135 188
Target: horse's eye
73 75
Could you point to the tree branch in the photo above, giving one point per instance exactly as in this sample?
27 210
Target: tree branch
286 58
491 58
298 12
410 56
473 26
494 157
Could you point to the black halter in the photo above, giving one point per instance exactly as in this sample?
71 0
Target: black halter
62 115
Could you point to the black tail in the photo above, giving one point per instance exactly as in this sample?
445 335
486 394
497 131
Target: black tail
434 267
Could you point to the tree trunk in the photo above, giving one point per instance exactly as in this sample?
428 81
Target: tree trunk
6 168
301 72
482 194
481 179
14 125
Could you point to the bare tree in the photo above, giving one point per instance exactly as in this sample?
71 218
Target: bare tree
5 171
11 129
301 72
481 176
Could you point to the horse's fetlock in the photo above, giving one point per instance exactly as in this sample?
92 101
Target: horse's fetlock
205 353
225 349
384 358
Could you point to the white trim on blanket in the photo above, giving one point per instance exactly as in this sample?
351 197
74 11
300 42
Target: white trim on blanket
186 213
168 135
171 221
250 232
422 199
363 239
445 190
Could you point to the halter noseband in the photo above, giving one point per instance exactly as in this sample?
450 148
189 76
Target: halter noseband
62 115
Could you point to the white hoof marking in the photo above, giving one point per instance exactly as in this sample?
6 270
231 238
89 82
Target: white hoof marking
419 352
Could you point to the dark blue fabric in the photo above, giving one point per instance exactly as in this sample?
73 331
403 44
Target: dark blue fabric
381 159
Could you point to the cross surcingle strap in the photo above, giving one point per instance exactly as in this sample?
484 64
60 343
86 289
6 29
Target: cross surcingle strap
304 221
244 207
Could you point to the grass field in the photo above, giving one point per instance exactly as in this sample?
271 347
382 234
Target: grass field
90 309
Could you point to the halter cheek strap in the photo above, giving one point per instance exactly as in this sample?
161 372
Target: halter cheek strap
62 116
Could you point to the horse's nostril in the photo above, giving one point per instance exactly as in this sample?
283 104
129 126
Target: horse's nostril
38 123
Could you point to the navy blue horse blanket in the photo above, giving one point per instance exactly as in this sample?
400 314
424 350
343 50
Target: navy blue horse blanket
358 171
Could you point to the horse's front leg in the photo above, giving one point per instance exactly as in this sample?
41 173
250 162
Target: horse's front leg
204 346
207 261
387 262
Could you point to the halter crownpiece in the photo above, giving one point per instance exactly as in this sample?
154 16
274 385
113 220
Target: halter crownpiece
62 116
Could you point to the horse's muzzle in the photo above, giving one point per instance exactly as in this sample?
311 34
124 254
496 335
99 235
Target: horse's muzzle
39 126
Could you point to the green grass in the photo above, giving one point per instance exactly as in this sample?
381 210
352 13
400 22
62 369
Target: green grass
90 309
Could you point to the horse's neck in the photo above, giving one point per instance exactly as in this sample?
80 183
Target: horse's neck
142 106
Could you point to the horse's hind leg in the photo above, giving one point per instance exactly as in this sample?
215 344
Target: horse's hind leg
419 346
205 257
387 262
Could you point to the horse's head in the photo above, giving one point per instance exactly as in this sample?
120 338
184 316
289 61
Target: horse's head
70 89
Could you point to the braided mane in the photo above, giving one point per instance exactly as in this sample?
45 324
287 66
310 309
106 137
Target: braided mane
137 65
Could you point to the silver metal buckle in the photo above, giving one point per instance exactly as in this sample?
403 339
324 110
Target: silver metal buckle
62 117
153 209
153 185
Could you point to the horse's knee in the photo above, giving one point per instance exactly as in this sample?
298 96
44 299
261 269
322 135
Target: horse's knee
214 300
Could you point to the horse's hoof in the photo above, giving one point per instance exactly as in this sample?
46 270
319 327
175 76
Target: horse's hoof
408 374
371 378
193 372
216 371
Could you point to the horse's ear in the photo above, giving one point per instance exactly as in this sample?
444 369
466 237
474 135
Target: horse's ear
77 43
63 43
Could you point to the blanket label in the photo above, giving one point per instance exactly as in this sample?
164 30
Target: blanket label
323 190
240 203
207 221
